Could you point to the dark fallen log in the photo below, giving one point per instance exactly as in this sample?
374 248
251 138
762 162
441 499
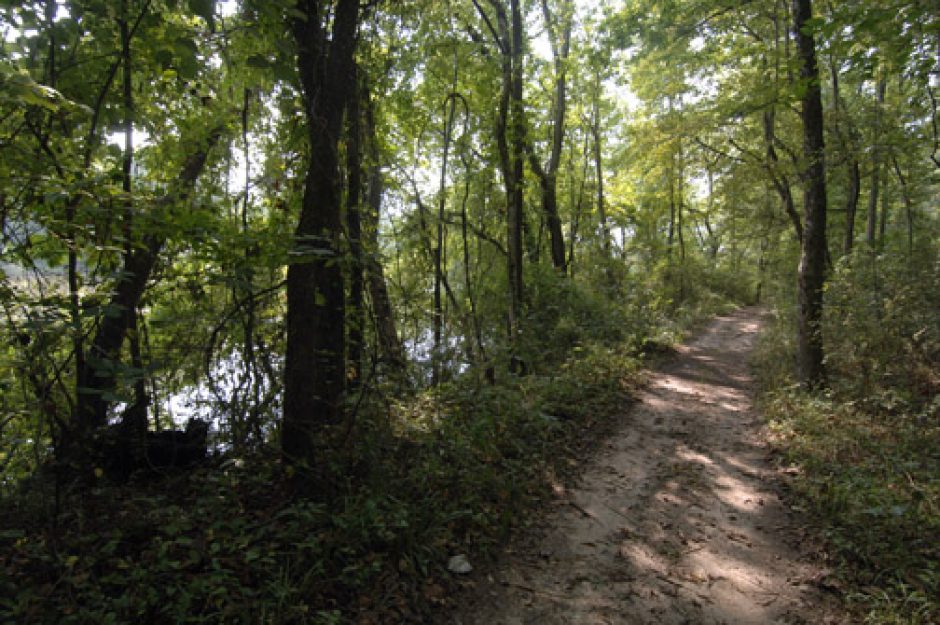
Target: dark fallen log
123 453
177 449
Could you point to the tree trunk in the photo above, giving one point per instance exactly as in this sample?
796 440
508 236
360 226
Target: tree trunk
779 180
812 269
134 418
599 168
354 229
848 145
851 205
314 370
671 231
870 233
389 344
578 201
439 249
548 175
514 222
468 282
510 145
908 209
679 216
97 379
249 422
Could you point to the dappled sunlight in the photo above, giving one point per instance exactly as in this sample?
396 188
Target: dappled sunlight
673 524
737 493
746 468
693 456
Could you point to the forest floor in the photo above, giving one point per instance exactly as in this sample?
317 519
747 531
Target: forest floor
679 519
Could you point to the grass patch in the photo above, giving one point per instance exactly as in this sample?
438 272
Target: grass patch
870 471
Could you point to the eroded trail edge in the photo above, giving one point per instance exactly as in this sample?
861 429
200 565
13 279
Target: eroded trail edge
678 520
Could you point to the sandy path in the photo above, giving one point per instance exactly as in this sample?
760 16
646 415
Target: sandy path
677 521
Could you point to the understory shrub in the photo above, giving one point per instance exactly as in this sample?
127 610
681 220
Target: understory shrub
868 447
228 543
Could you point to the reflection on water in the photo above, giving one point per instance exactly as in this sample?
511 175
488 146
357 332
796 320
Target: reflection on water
226 399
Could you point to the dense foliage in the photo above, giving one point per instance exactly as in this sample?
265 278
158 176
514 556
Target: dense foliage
406 258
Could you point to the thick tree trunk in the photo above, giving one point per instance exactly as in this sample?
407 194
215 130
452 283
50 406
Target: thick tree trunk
812 269
314 370
556 236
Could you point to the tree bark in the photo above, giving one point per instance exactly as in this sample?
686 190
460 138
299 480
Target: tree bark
314 370
671 230
813 255
578 201
450 105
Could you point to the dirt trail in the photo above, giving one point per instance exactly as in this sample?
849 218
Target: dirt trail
677 521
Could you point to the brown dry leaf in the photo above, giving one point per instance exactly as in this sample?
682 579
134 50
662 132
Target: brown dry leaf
434 593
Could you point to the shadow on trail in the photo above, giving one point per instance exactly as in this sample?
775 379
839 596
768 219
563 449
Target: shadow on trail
676 522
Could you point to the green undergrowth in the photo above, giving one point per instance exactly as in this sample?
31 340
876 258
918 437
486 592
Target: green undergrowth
873 478
457 469
415 480
867 449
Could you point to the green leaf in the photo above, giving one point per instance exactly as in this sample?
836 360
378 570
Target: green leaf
185 45
164 57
